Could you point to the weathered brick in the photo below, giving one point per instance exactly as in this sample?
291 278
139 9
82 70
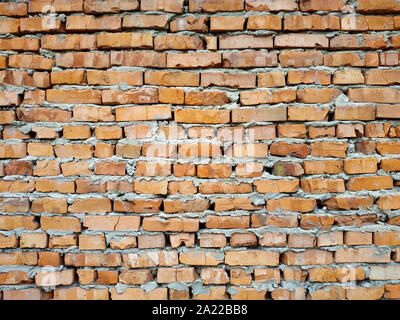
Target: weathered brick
213 6
251 257
201 116
385 6
308 257
299 59
193 60
369 255
264 22
321 5
370 183
271 5
142 113
311 22
110 6
92 23
245 42
249 59
145 21
14 9
307 114
301 41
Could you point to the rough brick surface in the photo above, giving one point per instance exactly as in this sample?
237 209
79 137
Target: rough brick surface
248 147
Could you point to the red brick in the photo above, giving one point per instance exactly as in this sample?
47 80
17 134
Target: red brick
93 259
245 42
370 183
18 9
307 114
92 23
212 6
295 40
193 60
271 79
321 5
271 5
9 26
142 113
201 116
79 293
145 21
264 22
24 294
291 204
231 80
20 44
329 149
311 22
47 279
283 149
338 59
385 6
110 6
83 60
251 257
267 97
367 255
30 61
310 222
40 24
308 257
249 59
299 59
287 169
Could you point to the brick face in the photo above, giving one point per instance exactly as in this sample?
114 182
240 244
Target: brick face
172 143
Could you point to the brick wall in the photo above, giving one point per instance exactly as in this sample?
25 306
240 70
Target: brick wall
200 149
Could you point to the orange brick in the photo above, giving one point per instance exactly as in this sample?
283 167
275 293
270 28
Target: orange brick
251 257
386 6
13 9
232 80
271 5
30 61
142 113
78 293
298 59
370 183
249 59
89 242
93 259
145 21
40 24
70 42
301 41
367 255
10 26
271 79
311 22
308 257
201 116
354 238
76 132
212 6
338 59
83 60
292 204
92 23
68 77
193 60
321 5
